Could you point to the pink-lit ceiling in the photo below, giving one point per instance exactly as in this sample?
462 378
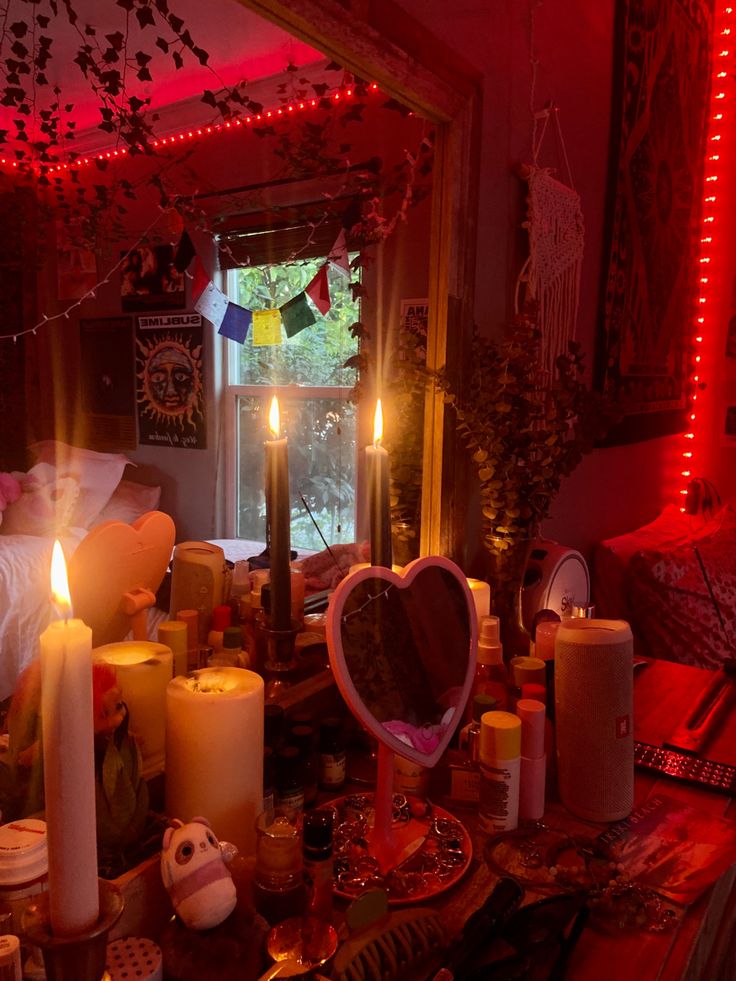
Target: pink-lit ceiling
242 47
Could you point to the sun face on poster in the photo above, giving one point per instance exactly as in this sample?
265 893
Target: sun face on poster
170 380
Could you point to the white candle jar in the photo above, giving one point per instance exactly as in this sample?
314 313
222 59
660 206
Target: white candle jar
24 865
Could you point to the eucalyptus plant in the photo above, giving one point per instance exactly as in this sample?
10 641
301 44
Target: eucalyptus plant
524 432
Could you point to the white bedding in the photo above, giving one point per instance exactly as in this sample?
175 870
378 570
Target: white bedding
25 602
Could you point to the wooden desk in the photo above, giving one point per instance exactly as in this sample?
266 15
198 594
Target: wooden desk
703 945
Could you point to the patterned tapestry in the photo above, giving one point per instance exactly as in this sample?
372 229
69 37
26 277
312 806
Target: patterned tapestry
661 89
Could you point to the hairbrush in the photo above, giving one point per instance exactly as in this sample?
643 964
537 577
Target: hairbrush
383 946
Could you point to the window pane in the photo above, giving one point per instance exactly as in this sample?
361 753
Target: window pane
321 433
315 355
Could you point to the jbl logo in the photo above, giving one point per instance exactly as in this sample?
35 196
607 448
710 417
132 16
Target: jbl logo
623 726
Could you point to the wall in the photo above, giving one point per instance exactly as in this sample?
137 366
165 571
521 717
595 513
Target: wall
614 490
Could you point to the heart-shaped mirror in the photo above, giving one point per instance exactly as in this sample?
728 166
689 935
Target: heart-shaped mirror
402 649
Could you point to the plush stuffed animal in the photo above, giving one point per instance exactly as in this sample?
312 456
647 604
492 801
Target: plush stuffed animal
195 875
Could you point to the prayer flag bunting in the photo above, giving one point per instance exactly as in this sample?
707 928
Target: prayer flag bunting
266 327
185 252
236 323
339 254
212 304
318 291
296 314
200 280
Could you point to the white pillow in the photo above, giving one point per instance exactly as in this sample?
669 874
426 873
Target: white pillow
97 474
128 502
45 506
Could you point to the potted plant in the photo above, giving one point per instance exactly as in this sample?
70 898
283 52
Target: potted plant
524 433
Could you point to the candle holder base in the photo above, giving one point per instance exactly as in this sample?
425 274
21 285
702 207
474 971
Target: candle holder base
280 664
80 957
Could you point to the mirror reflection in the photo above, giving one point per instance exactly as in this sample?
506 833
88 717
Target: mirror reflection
407 650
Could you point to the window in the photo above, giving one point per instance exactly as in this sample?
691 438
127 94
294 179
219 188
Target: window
306 373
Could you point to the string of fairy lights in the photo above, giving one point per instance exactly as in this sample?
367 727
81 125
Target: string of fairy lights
719 162
281 113
193 134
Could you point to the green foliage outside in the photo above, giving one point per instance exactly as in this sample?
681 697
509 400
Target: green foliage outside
321 430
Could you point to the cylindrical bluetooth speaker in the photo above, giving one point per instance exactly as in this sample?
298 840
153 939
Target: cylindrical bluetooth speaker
594 718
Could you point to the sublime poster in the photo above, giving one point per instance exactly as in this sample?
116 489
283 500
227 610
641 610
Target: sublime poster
170 381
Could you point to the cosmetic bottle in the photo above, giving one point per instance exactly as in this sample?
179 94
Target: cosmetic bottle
533 759
331 755
273 725
500 765
491 677
303 737
278 885
268 790
174 634
221 619
524 670
289 787
317 862
540 693
463 764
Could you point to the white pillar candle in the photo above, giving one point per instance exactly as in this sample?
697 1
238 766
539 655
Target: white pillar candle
68 757
481 592
143 671
214 751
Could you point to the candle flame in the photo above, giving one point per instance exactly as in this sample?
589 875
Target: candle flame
378 424
274 419
59 581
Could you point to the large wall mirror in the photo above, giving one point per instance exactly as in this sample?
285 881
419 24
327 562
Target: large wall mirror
375 41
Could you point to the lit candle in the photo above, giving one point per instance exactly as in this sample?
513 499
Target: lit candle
214 751
68 763
143 670
378 494
278 519
481 593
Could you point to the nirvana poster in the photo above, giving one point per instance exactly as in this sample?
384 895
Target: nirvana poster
170 381
661 90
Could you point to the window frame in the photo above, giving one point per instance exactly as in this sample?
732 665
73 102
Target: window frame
232 390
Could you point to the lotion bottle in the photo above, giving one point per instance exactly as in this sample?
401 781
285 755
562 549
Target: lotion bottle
500 765
491 677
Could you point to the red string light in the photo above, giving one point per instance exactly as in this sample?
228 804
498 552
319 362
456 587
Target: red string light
265 117
719 158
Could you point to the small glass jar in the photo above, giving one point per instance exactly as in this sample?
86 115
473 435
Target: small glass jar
278 888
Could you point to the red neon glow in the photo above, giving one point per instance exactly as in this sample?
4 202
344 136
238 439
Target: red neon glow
718 166
247 122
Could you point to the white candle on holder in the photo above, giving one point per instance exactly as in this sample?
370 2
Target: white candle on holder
214 751
68 763
143 670
278 521
378 494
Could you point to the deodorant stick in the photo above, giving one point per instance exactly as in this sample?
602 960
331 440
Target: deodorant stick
500 763
533 761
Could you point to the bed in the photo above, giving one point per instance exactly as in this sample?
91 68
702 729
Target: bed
67 488
674 581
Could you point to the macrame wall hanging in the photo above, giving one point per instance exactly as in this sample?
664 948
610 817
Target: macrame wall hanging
550 277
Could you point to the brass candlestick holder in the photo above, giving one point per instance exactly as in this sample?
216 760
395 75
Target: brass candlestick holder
280 652
80 957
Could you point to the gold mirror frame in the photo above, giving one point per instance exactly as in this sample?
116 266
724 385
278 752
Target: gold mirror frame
378 41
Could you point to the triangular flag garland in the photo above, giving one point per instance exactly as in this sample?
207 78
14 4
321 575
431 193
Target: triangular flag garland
185 252
234 321
338 254
266 327
318 290
296 315
200 279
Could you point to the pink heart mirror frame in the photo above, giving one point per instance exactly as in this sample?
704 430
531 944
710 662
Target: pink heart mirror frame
403 650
